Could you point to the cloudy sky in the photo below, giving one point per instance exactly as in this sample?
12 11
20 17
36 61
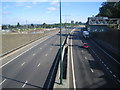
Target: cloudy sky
48 12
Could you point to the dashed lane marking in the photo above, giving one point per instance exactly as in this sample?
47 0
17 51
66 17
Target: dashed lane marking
118 80
38 65
24 84
22 64
91 69
40 48
110 71
107 67
24 52
106 53
34 54
2 81
85 57
114 76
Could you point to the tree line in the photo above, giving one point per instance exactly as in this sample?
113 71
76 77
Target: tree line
110 10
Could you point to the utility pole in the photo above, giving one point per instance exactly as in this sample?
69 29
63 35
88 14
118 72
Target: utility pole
61 63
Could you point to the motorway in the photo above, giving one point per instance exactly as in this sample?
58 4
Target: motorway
30 68
92 68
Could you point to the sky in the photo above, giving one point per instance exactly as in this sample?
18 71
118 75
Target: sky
48 12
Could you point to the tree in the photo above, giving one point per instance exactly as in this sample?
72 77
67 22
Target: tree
32 26
18 24
110 9
76 23
44 25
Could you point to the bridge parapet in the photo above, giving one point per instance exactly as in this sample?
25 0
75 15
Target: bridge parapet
103 21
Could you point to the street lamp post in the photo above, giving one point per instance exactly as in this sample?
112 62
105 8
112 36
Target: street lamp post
61 64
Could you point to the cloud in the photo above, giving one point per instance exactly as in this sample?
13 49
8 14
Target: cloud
28 6
5 12
55 2
51 8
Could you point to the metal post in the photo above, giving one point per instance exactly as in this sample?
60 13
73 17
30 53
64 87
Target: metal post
61 64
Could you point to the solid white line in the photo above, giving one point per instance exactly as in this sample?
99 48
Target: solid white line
74 84
2 81
118 80
24 84
23 53
38 65
114 76
22 64
91 69
106 53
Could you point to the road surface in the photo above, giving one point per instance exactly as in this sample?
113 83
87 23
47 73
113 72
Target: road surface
30 68
92 67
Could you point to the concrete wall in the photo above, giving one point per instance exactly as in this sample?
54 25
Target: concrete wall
107 38
13 41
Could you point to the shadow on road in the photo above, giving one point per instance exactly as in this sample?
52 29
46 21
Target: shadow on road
102 79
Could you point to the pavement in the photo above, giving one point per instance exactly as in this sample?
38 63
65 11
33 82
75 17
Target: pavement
91 68
29 67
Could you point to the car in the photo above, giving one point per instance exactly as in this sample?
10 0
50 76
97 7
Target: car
85 45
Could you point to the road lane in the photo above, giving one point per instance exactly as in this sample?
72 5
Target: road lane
32 66
89 73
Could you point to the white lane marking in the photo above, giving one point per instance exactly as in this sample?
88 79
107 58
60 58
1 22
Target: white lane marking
91 69
34 54
118 80
38 65
2 81
105 65
46 54
45 44
24 52
110 71
85 57
22 64
114 76
24 84
74 84
102 62
40 48
106 53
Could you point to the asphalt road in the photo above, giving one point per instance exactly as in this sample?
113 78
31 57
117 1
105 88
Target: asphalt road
30 68
92 67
